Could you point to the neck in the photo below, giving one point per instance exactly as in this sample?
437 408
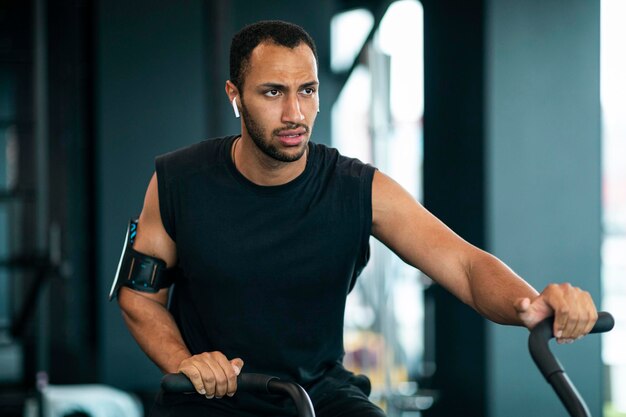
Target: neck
262 169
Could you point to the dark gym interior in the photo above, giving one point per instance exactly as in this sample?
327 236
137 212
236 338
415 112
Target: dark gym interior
91 92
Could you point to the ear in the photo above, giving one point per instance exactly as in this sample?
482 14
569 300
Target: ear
231 90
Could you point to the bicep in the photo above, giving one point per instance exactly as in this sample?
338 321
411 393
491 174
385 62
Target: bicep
152 240
419 238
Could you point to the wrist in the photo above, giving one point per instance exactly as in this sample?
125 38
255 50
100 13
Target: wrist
175 359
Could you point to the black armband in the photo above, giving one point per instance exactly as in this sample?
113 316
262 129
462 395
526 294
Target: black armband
138 271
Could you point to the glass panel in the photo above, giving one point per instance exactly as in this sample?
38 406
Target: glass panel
350 116
348 32
378 119
613 99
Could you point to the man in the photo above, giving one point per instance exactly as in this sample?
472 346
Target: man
270 231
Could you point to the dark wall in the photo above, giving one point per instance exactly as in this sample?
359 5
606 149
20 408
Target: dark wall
45 82
544 182
454 162
150 98
512 163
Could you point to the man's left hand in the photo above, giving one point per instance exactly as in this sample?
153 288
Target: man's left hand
574 311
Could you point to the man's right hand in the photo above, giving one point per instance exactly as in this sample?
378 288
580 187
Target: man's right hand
212 374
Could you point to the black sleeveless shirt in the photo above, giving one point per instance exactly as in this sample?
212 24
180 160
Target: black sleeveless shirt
265 270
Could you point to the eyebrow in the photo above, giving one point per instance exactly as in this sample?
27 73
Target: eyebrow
279 86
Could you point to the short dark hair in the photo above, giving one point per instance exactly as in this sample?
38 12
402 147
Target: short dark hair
276 31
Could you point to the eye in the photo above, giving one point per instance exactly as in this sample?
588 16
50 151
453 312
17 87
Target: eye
272 93
309 91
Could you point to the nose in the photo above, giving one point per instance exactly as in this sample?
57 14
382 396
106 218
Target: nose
291 110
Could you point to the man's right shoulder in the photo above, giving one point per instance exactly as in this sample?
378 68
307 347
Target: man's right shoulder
191 157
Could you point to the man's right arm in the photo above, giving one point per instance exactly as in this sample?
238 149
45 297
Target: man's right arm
154 328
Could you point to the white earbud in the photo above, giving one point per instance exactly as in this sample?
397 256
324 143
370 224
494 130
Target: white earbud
235 109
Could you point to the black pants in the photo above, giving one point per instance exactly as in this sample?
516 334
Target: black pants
332 396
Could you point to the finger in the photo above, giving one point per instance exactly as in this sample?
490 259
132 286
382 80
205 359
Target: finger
582 315
236 364
522 304
522 307
203 363
583 312
593 313
581 325
223 370
555 299
568 295
195 376
569 332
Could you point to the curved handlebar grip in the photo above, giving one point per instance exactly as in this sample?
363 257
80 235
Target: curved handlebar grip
260 383
301 399
550 367
605 323
177 383
248 382
541 334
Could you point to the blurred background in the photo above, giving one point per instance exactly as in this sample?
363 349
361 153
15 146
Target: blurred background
505 118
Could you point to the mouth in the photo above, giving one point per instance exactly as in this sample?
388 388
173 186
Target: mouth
291 137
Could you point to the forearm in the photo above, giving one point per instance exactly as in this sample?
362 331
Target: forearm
495 287
155 331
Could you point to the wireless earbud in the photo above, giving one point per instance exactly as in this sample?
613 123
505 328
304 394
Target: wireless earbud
235 109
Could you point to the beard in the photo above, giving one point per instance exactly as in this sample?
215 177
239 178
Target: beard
257 133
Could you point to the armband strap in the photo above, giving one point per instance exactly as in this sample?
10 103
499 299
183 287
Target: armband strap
139 271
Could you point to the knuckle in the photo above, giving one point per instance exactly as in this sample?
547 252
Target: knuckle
207 376
192 373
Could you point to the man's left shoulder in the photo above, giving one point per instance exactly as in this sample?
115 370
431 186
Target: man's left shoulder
328 156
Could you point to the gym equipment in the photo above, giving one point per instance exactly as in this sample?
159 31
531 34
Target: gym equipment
553 371
538 346
250 382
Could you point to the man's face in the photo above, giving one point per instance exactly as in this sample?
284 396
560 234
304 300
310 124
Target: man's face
280 100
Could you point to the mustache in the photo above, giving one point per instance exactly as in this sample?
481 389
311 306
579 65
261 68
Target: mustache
292 126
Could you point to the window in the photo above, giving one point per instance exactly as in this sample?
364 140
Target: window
378 119
613 101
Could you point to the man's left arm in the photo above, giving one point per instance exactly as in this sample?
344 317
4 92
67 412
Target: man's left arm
474 276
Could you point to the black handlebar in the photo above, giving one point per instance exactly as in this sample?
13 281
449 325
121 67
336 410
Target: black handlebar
553 371
538 340
257 383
